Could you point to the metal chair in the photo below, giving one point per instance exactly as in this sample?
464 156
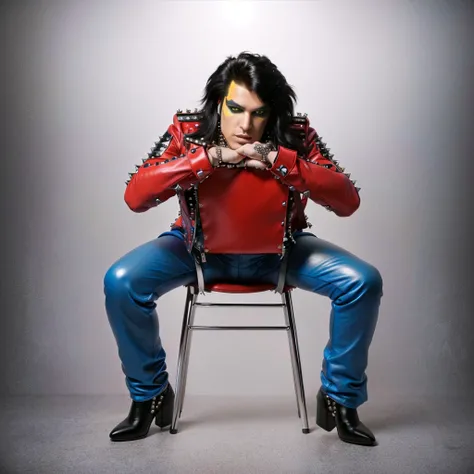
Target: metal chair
188 327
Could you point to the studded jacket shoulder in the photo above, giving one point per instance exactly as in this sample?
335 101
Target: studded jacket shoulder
176 164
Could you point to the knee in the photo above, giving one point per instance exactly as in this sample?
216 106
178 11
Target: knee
371 279
116 281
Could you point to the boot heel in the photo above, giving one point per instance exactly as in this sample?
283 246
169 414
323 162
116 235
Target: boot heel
164 417
324 417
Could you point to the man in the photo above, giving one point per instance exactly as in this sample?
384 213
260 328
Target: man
243 169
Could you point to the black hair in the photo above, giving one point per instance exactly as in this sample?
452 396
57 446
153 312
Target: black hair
258 74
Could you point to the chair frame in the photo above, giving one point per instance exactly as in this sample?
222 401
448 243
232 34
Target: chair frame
185 345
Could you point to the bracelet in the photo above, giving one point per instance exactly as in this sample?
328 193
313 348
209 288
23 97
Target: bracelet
220 162
219 156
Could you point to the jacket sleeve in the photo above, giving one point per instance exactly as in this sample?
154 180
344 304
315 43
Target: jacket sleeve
318 177
169 168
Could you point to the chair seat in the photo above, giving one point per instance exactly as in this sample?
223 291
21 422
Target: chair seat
238 288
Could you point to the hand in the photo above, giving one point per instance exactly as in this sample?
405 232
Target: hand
228 156
249 163
254 158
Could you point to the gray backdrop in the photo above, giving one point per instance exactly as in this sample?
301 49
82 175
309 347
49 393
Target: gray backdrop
87 87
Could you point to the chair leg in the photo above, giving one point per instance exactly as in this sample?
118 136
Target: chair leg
187 353
295 359
183 347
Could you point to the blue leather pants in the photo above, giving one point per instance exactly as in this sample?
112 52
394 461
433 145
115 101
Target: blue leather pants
136 281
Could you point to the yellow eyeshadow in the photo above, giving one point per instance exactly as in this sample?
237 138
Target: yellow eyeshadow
225 109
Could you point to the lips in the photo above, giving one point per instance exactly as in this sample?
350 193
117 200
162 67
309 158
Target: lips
244 137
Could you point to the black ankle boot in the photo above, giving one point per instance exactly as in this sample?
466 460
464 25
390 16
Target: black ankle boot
350 429
137 424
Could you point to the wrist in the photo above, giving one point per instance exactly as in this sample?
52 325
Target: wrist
211 156
271 157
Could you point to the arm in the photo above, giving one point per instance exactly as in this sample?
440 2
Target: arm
317 177
168 168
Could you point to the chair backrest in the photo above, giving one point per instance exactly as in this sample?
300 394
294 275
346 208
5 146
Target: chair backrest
243 212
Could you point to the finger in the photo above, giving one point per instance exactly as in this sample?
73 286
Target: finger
255 164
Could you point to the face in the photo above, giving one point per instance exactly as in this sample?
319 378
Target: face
243 116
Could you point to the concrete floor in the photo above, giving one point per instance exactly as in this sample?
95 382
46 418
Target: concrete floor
69 434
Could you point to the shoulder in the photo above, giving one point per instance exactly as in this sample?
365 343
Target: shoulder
300 123
187 122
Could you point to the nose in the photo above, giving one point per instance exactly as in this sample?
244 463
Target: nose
246 122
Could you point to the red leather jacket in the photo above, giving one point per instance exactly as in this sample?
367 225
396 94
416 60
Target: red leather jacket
237 210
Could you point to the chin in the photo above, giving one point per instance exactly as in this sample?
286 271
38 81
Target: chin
233 145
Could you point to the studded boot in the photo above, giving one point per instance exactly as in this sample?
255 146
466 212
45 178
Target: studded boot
350 429
137 424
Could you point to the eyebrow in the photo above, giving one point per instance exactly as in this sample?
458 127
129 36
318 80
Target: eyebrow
231 103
